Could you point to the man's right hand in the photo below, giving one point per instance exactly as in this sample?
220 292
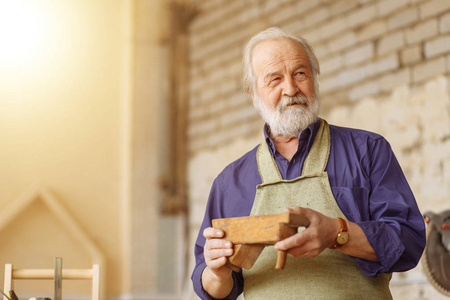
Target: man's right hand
216 278
216 251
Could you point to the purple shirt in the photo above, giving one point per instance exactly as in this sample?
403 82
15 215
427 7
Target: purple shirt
367 183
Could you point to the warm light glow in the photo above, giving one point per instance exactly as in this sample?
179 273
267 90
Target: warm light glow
21 32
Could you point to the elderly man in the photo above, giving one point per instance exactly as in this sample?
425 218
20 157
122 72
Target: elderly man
364 220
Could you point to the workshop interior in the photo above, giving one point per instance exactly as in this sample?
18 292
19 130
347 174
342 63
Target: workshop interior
116 117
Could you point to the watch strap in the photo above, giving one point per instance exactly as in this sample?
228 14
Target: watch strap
344 228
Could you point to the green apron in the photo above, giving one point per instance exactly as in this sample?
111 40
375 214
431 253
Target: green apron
331 274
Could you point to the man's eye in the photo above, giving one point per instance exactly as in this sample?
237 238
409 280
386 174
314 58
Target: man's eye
301 75
274 80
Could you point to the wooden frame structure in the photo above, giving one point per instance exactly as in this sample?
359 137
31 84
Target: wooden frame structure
56 274
39 193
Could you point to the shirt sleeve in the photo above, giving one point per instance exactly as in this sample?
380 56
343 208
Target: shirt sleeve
212 212
395 227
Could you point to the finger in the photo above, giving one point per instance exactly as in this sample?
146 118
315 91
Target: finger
299 246
210 233
217 263
217 253
293 241
297 210
304 252
218 244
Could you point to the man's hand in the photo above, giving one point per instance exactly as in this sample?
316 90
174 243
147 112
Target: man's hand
216 251
216 278
321 234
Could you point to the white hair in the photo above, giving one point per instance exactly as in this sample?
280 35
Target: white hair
289 122
272 34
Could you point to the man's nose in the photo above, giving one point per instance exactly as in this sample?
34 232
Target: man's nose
290 88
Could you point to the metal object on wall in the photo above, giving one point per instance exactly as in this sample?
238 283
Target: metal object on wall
436 258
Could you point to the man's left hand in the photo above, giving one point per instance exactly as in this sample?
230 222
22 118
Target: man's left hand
320 234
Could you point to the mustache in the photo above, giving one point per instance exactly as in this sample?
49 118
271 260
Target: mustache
287 101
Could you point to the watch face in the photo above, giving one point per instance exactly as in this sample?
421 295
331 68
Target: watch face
342 238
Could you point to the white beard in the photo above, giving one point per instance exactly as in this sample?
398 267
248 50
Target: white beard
289 121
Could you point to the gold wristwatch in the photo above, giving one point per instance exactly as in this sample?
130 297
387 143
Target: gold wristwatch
342 236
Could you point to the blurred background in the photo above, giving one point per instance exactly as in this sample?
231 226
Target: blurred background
116 116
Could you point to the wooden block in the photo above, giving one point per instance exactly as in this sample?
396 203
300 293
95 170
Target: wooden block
244 256
265 229
250 234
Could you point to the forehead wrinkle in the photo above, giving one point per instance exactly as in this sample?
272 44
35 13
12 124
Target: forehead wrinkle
278 71
301 66
274 62
273 57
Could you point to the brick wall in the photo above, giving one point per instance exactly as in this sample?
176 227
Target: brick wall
365 48
385 67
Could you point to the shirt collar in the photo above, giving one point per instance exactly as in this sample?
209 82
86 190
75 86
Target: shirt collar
306 135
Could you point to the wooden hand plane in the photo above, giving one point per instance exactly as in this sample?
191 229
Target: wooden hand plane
251 234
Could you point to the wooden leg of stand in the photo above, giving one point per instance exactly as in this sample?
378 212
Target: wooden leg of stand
58 278
281 259
8 279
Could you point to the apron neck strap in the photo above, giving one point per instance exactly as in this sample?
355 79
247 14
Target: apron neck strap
267 166
317 158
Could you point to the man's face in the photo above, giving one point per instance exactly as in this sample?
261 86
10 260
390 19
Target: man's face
284 94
